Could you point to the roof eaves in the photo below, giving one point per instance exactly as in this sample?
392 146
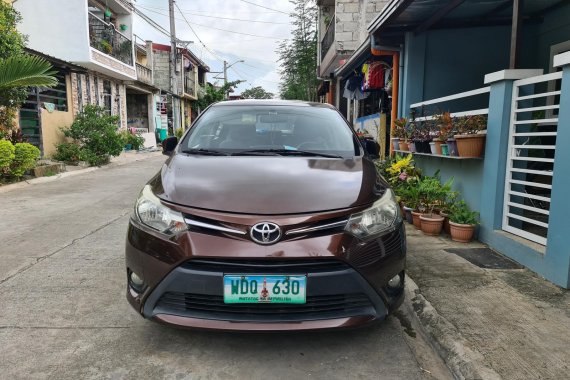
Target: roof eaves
390 10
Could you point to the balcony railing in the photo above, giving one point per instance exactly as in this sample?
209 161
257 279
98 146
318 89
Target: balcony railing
189 85
144 74
105 38
328 39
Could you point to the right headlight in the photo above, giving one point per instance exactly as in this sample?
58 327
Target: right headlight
153 213
379 218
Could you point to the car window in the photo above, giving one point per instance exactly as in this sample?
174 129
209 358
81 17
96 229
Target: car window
235 129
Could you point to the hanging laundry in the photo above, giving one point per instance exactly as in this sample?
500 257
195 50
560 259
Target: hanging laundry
375 76
353 88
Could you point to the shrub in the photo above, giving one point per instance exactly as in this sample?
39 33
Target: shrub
25 157
96 134
137 141
68 152
179 133
6 155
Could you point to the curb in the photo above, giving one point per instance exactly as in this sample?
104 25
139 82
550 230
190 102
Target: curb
463 361
34 181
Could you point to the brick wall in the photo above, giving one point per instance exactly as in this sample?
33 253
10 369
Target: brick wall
161 67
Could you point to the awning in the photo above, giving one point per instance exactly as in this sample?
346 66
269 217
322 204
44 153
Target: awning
400 16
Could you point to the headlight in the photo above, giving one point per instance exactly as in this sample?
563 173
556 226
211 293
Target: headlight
152 213
379 218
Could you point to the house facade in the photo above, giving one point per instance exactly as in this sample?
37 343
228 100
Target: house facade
509 61
191 74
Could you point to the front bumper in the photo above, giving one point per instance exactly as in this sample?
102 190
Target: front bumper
184 280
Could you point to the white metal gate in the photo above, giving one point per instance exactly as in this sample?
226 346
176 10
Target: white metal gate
530 160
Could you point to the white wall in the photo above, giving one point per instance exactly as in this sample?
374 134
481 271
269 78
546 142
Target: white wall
56 27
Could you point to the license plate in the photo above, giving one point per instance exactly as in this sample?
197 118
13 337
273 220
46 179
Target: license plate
265 289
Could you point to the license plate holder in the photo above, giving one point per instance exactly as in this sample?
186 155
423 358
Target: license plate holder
269 288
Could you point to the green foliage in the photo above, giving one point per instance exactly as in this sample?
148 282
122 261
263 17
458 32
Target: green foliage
213 94
25 157
462 214
68 152
179 133
257 93
96 134
136 141
298 56
6 155
25 70
433 193
11 41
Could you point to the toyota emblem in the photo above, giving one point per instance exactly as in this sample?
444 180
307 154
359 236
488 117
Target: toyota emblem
265 233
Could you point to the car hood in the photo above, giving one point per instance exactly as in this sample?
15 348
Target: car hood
268 185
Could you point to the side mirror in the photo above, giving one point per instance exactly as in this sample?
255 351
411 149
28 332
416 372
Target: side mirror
168 145
371 147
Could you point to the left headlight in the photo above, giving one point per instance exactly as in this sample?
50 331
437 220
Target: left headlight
381 217
151 212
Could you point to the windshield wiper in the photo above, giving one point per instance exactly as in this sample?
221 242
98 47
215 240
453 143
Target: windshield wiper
287 152
204 152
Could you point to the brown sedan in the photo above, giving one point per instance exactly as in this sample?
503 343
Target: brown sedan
268 215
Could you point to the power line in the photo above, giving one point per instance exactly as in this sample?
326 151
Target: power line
261 6
206 12
213 27
152 23
217 17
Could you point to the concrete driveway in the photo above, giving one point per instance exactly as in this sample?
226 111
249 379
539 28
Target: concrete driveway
63 312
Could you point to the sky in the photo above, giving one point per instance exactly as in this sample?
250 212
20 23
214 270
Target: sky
262 30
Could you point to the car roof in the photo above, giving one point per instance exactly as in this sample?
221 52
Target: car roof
270 102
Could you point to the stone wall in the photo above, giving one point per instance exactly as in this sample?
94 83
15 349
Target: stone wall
88 89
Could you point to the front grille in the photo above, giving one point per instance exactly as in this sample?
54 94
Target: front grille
213 307
265 266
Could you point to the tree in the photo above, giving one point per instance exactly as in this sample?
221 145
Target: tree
257 93
15 77
25 70
212 94
298 56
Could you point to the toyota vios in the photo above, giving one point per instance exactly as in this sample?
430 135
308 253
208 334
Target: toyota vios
268 215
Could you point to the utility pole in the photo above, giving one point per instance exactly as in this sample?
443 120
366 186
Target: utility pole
225 78
173 75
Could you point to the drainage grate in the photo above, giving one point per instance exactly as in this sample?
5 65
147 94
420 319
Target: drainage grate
485 258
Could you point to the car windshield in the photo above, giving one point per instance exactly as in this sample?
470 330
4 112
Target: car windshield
271 130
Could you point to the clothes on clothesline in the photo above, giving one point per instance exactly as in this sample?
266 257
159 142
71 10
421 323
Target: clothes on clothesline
376 75
353 88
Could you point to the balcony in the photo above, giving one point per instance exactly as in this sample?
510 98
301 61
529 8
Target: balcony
144 74
328 39
104 37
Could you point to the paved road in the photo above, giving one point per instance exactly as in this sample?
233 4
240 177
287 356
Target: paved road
63 313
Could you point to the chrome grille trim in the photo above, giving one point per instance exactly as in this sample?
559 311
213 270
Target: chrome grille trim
196 223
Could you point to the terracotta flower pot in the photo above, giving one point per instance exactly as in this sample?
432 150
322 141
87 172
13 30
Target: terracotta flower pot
438 146
445 222
416 219
462 233
470 145
404 146
431 224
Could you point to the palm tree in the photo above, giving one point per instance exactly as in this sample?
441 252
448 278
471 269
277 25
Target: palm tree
24 71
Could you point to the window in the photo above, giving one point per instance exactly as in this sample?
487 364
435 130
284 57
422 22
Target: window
107 102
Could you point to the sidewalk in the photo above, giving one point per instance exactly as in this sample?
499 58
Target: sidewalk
487 323
123 159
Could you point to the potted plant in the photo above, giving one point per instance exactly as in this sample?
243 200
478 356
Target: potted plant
446 208
421 137
433 194
462 222
471 136
442 129
401 132
106 46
